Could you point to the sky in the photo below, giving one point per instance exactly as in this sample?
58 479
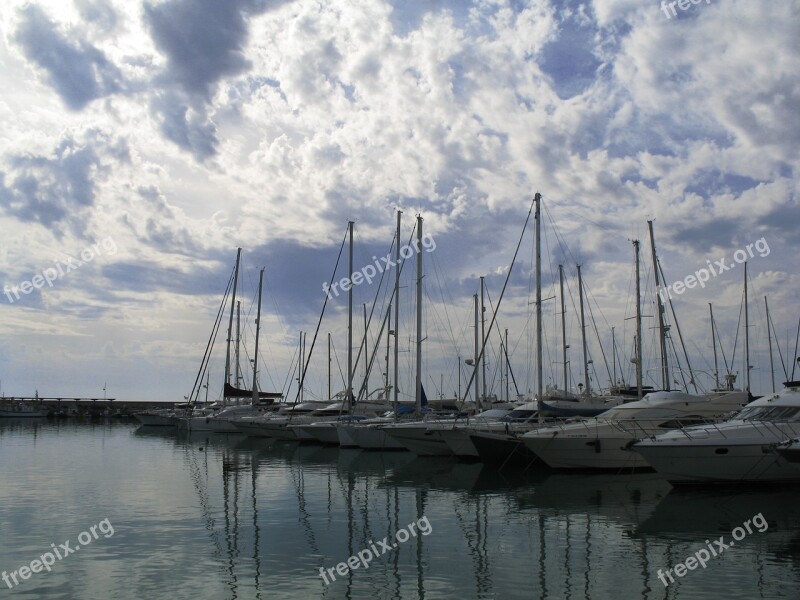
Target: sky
144 142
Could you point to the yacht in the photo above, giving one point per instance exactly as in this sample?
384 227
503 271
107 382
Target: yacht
499 442
370 434
604 442
757 444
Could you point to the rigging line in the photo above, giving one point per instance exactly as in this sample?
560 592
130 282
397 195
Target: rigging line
436 273
339 365
290 371
319 323
678 327
365 385
502 345
780 353
210 344
502 292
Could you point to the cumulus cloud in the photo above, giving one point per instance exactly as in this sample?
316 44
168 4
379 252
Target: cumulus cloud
58 190
78 71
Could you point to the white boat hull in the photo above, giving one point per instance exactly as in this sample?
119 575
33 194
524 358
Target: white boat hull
368 437
586 452
708 463
459 442
420 440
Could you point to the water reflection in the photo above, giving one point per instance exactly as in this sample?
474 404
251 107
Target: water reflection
238 517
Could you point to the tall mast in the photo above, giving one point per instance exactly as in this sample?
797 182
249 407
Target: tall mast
538 229
483 340
769 339
329 367
714 344
350 324
419 316
302 363
477 353
563 326
662 330
746 337
638 323
587 391
388 341
238 339
508 367
258 329
396 309
614 355
230 323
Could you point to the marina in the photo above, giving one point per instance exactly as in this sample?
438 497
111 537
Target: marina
471 300
229 516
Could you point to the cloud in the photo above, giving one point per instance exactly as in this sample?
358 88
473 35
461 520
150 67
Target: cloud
58 190
203 40
78 71
189 128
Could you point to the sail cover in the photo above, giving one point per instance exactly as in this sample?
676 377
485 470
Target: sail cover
234 392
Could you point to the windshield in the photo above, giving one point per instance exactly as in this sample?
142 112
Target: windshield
769 413
518 415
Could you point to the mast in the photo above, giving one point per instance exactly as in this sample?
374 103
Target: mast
746 337
388 341
638 323
238 339
563 326
329 367
258 329
302 363
538 228
230 322
396 309
366 366
508 367
714 344
769 339
662 330
350 324
614 355
419 316
587 391
483 340
477 354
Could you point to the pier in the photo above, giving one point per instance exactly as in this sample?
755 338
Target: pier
86 406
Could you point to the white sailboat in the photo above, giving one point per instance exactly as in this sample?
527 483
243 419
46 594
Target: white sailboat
237 403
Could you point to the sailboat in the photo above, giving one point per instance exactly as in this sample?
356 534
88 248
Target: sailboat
220 416
605 441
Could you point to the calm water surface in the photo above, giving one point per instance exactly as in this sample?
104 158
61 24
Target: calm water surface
223 517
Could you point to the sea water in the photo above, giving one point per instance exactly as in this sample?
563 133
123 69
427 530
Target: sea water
151 513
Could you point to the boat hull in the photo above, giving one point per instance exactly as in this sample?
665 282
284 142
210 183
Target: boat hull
420 440
460 443
502 449
367 437
609 453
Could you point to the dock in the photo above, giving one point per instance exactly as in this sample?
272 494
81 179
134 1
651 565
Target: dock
87 406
